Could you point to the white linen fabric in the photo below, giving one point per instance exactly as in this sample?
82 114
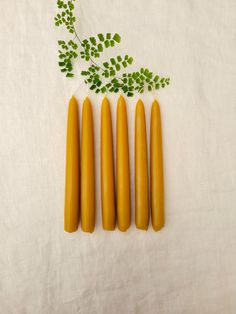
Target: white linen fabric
188 267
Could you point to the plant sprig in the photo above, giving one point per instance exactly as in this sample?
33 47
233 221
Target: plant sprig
67 53
93 46
101 78
66 15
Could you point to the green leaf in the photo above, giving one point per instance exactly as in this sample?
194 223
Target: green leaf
130 81
124 88
130 60
101 37
93 40
114 80
119 58
107 43
117 38
124 64
61 64
146 71
112 73
113 61
106 64
100 48
108 36
112 43
69 75
103 89
130 94
71 5
117 67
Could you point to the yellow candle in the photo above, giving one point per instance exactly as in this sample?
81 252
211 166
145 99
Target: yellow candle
122 167
87 170
107 168
71 211
141 169
156 167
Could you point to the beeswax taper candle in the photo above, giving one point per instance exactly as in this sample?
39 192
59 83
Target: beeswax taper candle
107 168
122 167
71 211
156 169
141 169
87 170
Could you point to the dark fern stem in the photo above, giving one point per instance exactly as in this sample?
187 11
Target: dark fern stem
101 78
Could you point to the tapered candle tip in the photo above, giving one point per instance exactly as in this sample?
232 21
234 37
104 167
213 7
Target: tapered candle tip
121 101
105 99
87 101
73 99
121 98
155 101
105 103
140 102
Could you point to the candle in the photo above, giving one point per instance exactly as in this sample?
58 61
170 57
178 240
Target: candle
141 169
122 167
87 170
107 168
71 210
156 167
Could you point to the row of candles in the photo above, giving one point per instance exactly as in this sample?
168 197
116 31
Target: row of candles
115 196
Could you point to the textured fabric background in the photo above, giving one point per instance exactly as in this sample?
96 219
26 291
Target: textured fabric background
190 266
